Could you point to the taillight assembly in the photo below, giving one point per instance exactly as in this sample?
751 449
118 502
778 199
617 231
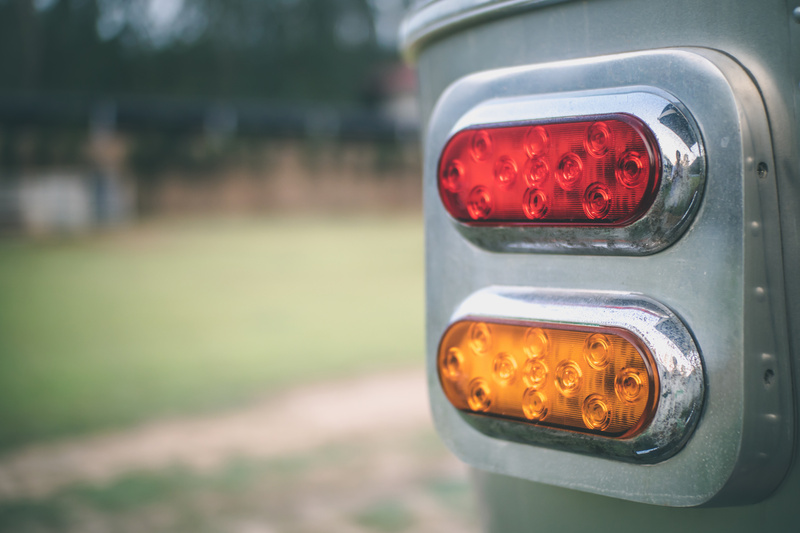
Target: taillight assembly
584 379
555 357
540 366
605 173
597 170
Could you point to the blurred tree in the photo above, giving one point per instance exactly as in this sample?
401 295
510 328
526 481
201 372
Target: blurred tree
299 50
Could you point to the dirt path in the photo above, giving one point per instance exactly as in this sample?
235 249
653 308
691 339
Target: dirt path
298 420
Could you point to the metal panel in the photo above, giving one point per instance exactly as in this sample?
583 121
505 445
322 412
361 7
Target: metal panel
431 17
715 278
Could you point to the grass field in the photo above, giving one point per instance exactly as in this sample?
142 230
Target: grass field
181 316
397 483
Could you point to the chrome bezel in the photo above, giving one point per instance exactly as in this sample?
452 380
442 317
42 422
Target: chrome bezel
683 172
678 364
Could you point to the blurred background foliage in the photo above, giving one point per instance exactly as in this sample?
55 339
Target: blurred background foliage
126 115
188 85
204 206
295 50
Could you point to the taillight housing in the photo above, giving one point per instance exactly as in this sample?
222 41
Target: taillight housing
593 171
609 374
587 379
602 173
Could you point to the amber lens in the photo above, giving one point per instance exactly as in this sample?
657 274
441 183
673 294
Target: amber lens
587 379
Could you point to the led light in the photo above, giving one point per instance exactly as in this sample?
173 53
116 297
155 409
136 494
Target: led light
480 395
536 343
535 374
535 204
452 176
601 170
596 349
452 365
596 414
479 203
480 340
505 171
537 171
481 146
505 369
536 141
598 139
578 378
534 404
596 201
570 171
568 378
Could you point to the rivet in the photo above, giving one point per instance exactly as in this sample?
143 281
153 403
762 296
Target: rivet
762 170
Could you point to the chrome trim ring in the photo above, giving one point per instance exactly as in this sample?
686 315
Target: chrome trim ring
683 172
678 364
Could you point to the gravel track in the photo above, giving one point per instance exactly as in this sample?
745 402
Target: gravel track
297 420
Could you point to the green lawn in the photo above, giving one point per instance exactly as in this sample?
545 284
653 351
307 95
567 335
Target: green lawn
183 316
340 487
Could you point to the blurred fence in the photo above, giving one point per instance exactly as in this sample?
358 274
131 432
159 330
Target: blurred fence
70 164
393 119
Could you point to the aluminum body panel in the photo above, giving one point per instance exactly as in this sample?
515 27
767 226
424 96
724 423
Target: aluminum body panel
428 18
714 277
766 41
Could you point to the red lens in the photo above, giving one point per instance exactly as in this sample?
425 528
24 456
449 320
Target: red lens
601 170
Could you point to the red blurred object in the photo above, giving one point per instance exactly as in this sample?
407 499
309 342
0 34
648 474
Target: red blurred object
598 170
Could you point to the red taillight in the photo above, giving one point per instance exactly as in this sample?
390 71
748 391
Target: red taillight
601 170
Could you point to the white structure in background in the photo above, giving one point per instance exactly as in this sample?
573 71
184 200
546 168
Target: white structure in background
55 203
65 203
398 90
